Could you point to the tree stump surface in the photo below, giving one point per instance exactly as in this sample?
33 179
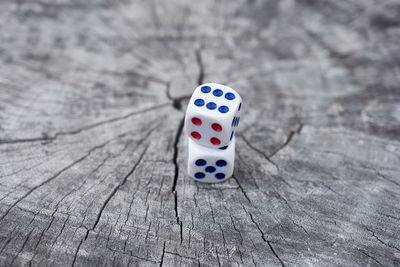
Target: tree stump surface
92 152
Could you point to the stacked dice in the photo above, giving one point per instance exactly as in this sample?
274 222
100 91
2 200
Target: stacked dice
210 122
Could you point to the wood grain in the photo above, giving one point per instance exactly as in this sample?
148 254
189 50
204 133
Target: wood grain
92 152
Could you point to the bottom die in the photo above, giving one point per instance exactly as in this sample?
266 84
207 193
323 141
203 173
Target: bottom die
210 165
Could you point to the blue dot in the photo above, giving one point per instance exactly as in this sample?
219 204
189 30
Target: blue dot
233 121
237 122
211 105
206 89
199 102
223 148
240 106
223 109
221 163
199 175
220 176
200 162
230 96
218 92
231 136
210 169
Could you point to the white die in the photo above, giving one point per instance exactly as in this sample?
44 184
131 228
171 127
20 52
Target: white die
212 115
210 165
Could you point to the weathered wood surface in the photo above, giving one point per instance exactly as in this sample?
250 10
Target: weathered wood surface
92 152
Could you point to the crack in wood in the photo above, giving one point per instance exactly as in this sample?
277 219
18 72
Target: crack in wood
274 252
8 240
162 255
381 241
259 151
177 105
54 177
176 165
199 61
76 252
176 101
241 189
288 139
85 128
265 240
22 247
114 191
372 258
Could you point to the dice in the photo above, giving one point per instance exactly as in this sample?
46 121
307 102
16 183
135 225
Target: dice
213 115
210 165
211 118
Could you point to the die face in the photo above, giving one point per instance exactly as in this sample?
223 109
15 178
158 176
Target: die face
209 165
212 132
235 121
210 114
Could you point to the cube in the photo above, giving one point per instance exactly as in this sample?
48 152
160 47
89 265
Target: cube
213 115
210 165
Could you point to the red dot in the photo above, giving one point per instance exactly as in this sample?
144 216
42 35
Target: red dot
196 135
196 121
215 141
216 127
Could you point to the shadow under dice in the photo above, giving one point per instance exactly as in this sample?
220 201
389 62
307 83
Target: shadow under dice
210 165
212 115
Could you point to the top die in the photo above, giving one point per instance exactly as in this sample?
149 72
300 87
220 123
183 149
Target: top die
213 115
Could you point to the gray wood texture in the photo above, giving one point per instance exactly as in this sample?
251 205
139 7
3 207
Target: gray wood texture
92 152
